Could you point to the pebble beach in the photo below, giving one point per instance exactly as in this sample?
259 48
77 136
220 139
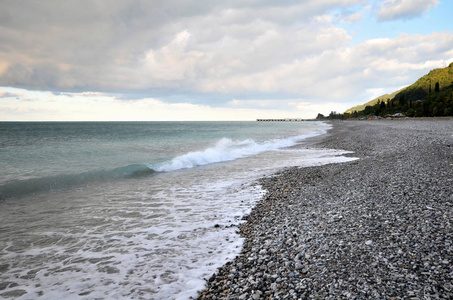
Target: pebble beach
379 227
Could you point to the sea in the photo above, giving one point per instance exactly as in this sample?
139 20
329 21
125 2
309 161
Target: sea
134 210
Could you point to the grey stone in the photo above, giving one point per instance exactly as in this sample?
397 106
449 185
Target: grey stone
376 228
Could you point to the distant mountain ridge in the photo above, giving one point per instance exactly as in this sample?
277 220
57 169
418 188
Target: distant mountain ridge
437 80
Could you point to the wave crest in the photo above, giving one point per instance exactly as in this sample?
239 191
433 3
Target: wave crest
225 150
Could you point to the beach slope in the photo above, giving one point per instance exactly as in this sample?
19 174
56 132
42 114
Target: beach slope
376 228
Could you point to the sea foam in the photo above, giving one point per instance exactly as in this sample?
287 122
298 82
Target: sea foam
226 150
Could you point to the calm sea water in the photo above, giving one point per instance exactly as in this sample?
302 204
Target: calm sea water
133 210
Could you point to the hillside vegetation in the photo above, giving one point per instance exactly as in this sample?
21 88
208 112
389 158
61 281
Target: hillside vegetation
384 98
429 96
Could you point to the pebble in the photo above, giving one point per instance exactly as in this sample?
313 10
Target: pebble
376 228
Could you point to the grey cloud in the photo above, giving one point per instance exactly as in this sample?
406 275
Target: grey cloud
196 49
4 94
404 9
102 44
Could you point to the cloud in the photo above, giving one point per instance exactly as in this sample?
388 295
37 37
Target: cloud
5 94
209 52
81 107
352 18
139 45
345 71
28 113
294 108
173 62
107 108
267 104
4 65
404 9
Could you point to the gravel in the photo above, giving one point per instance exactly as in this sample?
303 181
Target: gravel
376 228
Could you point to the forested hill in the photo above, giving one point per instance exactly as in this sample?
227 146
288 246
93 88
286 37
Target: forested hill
381 98
431 95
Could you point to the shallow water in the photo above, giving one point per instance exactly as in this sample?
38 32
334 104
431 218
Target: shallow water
149 236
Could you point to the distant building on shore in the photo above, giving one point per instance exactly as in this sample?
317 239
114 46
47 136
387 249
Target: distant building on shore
284 120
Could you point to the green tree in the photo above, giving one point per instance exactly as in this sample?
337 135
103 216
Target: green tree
448 111
410 112
320 117
402 101
419 112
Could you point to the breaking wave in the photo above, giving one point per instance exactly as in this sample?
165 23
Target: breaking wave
225 150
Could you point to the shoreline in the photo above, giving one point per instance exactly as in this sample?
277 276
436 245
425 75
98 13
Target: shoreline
379 227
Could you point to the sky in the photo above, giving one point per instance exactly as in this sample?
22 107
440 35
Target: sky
186 60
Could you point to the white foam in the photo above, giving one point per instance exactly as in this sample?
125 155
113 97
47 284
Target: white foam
122 244
228 150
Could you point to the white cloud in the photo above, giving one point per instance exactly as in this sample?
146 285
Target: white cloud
95 107
130 45
236 49
173 62
404 9
375 92
345 71
256 103
339 73
352 18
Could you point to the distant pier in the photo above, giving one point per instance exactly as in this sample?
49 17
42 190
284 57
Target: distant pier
284 120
